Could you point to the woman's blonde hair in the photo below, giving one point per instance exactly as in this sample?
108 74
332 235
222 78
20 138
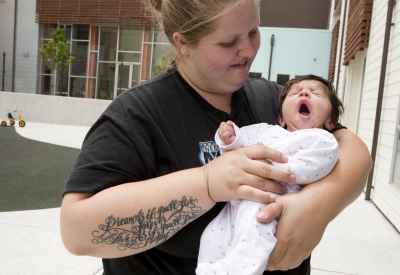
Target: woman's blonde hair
193 19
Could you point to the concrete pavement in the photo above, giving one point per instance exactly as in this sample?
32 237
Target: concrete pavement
359 241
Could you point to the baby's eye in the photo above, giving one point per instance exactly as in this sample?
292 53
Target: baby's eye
317 94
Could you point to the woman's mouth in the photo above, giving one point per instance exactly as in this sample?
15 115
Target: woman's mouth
243 63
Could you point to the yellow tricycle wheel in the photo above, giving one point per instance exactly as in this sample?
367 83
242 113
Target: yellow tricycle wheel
21 123
12 122
3 123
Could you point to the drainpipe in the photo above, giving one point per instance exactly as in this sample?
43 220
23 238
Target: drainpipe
341 45
270 57
14 45
380 96
4 71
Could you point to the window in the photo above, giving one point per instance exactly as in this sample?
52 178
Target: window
107 60
79 66
80 32
282 79
255 75
155 52
108 43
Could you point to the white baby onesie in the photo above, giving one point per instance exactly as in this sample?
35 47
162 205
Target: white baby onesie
235 242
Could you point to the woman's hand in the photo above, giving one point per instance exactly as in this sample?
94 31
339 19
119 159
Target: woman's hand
303 216
297 236
240 174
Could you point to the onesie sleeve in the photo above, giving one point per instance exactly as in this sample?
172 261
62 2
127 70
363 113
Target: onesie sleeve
312 154
239 141
245 136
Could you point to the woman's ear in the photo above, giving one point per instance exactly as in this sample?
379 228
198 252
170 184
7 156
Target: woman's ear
180 41
281 121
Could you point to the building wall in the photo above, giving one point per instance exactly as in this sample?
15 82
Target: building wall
6 38
52 109
385 194
340 70
295 52
26 48
306 14
358 85
352 92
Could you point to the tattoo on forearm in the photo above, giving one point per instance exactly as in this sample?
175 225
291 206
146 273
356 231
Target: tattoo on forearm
156 226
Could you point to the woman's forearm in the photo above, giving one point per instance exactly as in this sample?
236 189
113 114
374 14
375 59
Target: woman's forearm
133 217
347 180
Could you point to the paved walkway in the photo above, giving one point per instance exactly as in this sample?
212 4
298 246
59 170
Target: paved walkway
359 241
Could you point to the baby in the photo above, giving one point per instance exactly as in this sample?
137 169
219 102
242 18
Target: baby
235 242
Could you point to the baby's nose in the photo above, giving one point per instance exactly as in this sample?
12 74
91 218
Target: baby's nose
304 93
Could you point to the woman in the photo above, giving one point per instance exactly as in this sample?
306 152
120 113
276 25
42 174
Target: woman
148 180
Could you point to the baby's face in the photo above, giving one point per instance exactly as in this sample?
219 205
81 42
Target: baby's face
306 106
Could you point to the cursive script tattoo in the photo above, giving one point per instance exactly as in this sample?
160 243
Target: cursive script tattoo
142 229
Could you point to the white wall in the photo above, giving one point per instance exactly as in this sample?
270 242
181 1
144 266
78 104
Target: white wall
353 91
26 44
6 39
6 26
340 77
359 91
294 52
52 109
385 195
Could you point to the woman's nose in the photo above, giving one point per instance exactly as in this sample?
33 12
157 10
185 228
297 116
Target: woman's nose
247 50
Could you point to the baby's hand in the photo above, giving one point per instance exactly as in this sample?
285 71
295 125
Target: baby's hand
226 132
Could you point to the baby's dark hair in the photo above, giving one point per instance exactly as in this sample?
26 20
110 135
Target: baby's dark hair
337 105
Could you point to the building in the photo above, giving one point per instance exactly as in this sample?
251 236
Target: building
365 68
116 45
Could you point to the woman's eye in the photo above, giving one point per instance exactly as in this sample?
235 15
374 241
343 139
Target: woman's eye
253 33
227 45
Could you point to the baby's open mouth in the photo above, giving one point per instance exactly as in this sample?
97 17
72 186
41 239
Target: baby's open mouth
304 110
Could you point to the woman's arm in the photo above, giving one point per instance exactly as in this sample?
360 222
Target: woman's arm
303 216
133 217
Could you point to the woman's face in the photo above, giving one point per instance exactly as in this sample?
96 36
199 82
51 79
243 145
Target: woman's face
221 61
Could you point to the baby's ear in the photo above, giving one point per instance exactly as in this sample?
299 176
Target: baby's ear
281 121
330 124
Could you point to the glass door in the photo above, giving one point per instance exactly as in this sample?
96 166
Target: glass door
126 76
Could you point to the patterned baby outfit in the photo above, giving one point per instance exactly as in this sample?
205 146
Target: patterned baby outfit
235 242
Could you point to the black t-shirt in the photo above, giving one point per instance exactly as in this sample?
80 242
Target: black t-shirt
158 127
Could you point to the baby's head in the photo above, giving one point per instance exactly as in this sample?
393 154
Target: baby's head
309 101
